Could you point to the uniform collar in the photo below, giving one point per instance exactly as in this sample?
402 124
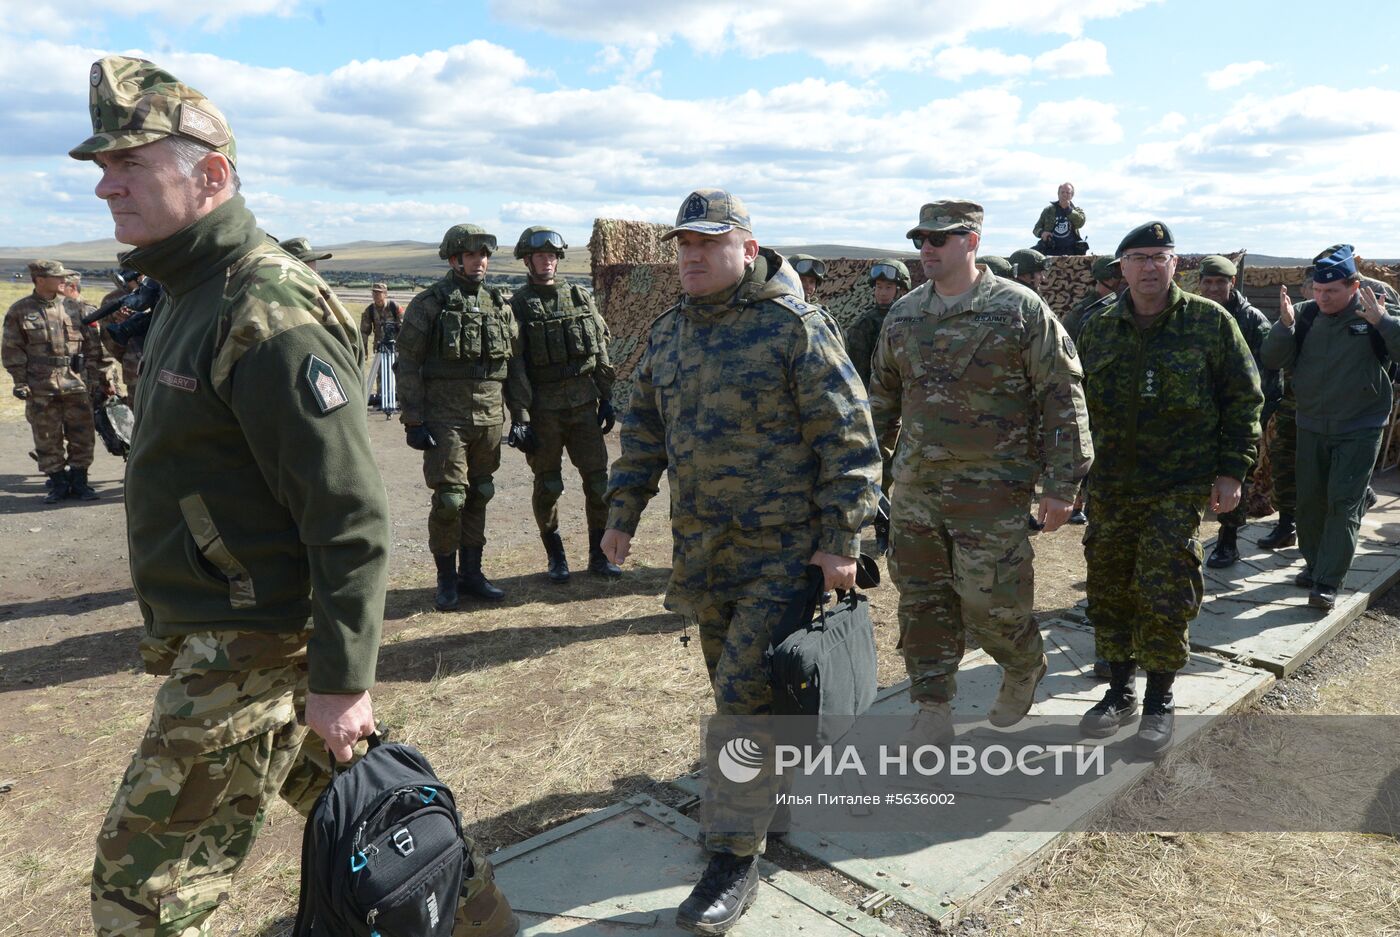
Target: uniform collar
1124 308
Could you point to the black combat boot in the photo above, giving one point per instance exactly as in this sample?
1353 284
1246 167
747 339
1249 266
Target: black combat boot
78 486
558 560
446 598
1283 535
725 891
1119 705
472 581
1154 734
58 487
598 562
1227 551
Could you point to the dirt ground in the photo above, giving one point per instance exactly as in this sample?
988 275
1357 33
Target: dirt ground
560 701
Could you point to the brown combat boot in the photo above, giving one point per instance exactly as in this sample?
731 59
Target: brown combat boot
1016 695
488 914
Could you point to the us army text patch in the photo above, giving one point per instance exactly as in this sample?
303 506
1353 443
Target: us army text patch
325 386
178 381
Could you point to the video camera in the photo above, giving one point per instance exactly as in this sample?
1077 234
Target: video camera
139 302
388 335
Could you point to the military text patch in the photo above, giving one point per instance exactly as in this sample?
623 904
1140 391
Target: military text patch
325 386
996 318
178 381
1358 328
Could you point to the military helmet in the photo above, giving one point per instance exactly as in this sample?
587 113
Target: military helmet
808 266
891 269
537 238
466 237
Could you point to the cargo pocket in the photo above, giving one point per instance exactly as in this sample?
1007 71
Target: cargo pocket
535 332
212 548
993 586
947 353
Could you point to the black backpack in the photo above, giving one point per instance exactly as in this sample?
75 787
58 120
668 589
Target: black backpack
383 853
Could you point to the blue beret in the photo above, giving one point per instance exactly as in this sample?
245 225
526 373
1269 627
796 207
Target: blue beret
1152 234
1340 264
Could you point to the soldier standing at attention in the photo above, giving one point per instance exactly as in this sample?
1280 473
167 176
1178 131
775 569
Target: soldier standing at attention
746 399
57 364
1336 347
975 368
889 280
1174 406
1218 285
564 346
258 522
456 373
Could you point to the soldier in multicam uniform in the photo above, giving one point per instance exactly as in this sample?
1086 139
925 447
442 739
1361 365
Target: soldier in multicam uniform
746 399
130 354
1217 284
458 362
1174 406
975 367
564 343
301 249
57 364
255 512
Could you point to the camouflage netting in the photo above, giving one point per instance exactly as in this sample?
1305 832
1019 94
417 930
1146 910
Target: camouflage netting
628 242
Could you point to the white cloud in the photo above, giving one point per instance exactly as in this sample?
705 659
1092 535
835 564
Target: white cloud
1080 58
1234 74
1171 122
52 18
958 62
1073 122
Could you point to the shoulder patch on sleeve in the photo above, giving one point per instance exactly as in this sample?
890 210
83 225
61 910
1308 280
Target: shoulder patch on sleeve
801 307
325 387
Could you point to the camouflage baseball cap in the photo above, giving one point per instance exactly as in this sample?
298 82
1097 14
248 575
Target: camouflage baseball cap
710 211
48 268
380 287
134 102
300 248
948 215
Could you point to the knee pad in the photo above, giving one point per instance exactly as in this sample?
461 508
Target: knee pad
550 485
448 501
482 490
596 483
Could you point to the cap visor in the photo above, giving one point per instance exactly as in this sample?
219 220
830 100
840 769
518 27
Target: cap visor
111 142
699 227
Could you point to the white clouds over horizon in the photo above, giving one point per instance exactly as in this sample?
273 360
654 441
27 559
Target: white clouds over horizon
1234 74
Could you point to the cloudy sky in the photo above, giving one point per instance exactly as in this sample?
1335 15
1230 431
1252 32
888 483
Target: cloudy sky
1267 126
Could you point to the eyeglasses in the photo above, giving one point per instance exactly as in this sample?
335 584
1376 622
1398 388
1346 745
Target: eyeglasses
884 272
543 239
935 238
810 268
1141 260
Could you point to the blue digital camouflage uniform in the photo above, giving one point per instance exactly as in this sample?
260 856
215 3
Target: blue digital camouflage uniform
1171 407
985 389
751 407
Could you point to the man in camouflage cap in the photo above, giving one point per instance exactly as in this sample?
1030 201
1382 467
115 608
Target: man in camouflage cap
255 512
747 400
57 364
569 381
301 249
458 372
1108 284
1174 405
981 378
1029 268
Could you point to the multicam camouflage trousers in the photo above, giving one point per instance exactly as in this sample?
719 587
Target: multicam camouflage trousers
57 419
575 429
962 562
223 741
460 469
1145 583
734 585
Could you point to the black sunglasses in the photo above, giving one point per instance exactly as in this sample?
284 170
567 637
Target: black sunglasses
936 238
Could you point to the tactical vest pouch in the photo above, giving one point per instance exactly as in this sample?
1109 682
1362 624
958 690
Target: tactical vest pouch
556 341
495 338
535 338
450 334
471 337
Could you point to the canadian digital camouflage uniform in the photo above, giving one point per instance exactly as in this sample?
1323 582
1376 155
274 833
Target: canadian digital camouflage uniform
42 341
1253 325
564 345
457 372
1172 407
128 355
750 406
988 394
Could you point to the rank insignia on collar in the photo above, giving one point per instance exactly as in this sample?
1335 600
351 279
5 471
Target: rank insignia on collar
325 386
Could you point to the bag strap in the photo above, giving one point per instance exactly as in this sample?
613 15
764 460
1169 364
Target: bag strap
302 927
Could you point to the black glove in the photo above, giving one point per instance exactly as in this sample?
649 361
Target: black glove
22 391
607 416
882 526
522 437
419 438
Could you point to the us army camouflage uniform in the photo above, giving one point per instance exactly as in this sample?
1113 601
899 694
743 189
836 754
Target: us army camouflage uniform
1171 408
750 405
457 349
128 355
565 349
981 387
41 340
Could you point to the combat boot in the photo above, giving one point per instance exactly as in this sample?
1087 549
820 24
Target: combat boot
1016 695
1227 550
446 598
58 487
724 892
78 486
1284 534
472 581
598 562
1154 733
558 559
488 914
1119 705
932 725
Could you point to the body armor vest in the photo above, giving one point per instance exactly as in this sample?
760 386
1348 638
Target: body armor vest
563 337
471 338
